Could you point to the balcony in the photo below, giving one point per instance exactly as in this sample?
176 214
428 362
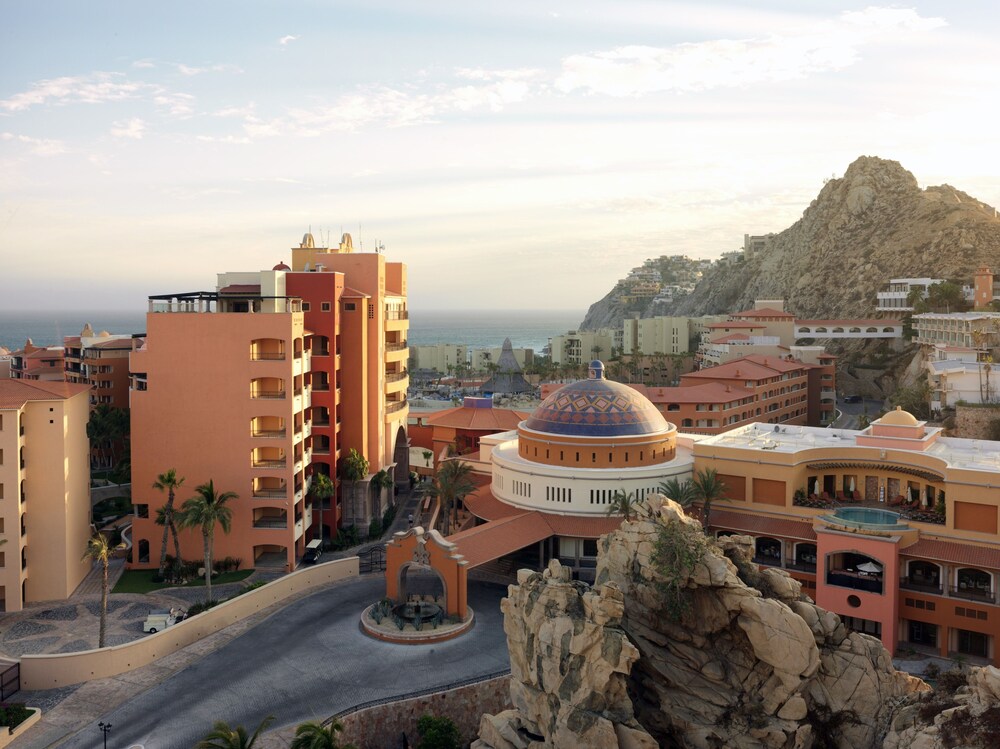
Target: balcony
394 406
970 593
268 394
268 457
271 522
271 493
397 314
396 376
920 585
845 579
396 346
268 433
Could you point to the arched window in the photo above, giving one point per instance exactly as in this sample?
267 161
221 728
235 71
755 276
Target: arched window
767 551
855 330
871 330
820 329
888 330
974 582
923 574
838 330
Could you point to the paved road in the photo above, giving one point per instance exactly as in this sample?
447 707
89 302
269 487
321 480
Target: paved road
850 412
306 662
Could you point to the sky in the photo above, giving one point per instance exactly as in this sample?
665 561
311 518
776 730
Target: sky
512 154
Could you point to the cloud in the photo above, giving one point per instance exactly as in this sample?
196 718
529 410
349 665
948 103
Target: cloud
88 89
286 39
144 63
823 47
190 70
134 128
37 146
177 104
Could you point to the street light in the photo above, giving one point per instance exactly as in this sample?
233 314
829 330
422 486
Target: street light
105 729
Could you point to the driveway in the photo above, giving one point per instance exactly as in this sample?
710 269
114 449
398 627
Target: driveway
305 662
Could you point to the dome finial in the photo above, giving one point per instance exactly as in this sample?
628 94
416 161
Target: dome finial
596 370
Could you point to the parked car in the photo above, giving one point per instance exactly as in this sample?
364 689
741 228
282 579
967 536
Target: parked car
853 399
313 552
157 621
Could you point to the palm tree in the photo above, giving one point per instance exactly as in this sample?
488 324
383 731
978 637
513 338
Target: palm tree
624 503
709 488
99 550
223 737
205 510
321 488
168 481
383 480
354 468
451 485
683 493
317 736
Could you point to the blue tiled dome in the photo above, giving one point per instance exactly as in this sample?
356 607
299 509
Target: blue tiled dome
596 407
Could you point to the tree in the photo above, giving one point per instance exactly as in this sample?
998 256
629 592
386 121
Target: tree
682 492
205 510
317 736
223 737
623 503
99 550
427 457
322 489
451 485
383 481
438 733
169 482
709 488
354 468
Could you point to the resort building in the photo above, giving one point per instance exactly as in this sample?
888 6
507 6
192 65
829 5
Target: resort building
961 329
457 431
894 527
443 358
44 490
38 363
289 370
862 328
665 335
985 290
957 374
483 359
895 295
100 361
577 347
552 479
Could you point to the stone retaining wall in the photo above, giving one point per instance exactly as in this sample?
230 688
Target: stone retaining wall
383 725
973 422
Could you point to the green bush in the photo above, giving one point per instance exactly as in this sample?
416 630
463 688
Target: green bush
438 733
14 714
375 528
197 608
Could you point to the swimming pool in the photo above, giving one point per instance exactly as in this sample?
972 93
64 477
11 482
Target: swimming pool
867 517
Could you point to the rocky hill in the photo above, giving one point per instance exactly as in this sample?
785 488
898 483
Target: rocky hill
873 224
686 644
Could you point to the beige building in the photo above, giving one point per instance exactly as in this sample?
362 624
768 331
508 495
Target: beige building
441 357
650 335
962 329
44 490
579 347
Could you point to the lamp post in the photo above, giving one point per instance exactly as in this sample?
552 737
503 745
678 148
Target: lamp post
105 729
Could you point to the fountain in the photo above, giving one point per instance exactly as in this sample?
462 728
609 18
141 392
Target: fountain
412 612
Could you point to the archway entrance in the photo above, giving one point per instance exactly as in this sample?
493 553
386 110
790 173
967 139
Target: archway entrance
419 563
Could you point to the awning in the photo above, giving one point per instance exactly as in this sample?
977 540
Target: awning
484 543
922 473
762 525
955 553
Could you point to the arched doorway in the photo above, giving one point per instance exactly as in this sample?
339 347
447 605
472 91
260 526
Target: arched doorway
419 563
422 580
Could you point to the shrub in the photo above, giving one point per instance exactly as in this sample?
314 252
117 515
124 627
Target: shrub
951 680
14 714
197 608
438 733
678 550
375 528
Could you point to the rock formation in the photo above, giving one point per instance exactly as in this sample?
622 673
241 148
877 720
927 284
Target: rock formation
569 661
970 717
872 225
720 664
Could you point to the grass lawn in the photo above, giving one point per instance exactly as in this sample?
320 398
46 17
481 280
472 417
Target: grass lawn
141 581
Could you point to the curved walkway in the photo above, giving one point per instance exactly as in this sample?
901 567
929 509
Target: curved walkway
306 661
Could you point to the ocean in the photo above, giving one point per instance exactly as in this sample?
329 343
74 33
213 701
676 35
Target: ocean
475 328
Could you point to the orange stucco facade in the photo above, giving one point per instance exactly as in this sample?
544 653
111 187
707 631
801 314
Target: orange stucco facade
265 382
921 566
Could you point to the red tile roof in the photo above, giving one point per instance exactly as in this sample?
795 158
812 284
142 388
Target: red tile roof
15 393
735 324
872 322
479 419
761 525
353 293
707 392
483 504
241 288
484 543
582 527
957 553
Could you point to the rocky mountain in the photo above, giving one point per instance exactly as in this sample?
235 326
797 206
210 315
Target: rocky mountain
873 224
747 666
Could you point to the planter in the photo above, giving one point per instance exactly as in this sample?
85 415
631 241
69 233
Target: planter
9 735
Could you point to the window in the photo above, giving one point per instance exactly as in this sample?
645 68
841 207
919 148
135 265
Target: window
350 306
324 306
143 550
306 306
142 511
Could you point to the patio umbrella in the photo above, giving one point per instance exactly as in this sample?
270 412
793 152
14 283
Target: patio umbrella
816 487
869 567
852 485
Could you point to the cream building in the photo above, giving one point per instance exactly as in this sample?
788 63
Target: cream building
580 346
44 490
441 357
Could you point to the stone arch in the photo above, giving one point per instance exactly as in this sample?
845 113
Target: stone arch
427 549
412 584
